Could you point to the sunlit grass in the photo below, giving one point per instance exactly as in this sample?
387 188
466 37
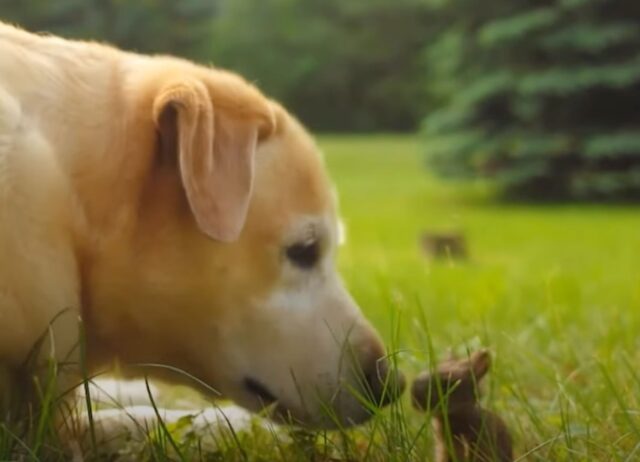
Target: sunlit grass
552 290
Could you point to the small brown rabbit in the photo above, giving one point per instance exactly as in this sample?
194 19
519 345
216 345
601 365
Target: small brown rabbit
475 434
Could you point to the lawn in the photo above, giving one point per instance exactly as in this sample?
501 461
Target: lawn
552 290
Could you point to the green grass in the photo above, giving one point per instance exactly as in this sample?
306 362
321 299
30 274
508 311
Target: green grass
552 290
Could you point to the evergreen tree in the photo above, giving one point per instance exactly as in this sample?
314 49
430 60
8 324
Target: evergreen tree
543 95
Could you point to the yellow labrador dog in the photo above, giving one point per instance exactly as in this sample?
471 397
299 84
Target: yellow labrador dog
185 218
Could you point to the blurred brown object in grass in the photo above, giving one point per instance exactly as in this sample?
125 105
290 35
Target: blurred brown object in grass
441 245
463 430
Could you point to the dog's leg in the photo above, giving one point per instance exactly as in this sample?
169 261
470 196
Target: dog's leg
114 427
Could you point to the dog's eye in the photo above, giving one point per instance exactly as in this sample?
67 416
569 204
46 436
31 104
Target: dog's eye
305 255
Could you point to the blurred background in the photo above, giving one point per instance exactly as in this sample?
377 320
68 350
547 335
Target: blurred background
542 96
487 155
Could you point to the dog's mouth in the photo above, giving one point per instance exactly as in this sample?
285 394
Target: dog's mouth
257 388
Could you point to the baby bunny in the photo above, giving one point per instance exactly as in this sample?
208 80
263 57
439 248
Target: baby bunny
463 430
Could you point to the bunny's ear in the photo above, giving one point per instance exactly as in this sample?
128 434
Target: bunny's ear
480 362
420 391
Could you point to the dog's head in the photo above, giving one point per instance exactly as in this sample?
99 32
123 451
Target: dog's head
230 268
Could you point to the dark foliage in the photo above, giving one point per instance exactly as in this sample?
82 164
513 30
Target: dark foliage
541 95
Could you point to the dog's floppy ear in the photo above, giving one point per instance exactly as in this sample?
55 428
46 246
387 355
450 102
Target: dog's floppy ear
215 149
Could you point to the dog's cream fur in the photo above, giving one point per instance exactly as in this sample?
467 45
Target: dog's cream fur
154 199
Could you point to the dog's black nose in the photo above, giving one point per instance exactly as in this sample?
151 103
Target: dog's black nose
384 383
